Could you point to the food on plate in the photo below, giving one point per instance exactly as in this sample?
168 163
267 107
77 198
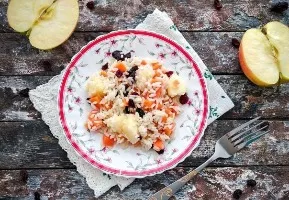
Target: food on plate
263 54
176 86
134 101
48 23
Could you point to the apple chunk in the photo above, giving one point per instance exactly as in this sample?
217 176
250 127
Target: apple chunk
278 35
55 25
22 14
257 59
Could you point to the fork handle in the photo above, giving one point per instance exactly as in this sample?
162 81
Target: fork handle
170 190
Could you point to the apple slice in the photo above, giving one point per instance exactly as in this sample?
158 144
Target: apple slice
278 35
22 14
48 22
55 25
257 59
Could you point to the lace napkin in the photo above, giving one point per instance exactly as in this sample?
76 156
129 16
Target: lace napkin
44 98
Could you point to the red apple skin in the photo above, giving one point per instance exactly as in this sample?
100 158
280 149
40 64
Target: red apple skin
247 71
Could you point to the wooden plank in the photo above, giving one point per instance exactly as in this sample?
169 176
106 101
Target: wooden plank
250 100
213 183
15 106
31 145
19 58
253 101
188 15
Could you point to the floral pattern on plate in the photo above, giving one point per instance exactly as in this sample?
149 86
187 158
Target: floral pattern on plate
132 161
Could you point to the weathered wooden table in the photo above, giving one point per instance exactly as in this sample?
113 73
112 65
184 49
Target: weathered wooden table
26 144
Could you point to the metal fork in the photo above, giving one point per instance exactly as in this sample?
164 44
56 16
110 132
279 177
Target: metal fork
225 147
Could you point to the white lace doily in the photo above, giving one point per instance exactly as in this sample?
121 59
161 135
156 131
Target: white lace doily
44 98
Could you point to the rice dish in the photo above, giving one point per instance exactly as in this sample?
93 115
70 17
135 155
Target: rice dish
134 101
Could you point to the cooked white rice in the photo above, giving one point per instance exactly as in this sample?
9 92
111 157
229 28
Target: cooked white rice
114 117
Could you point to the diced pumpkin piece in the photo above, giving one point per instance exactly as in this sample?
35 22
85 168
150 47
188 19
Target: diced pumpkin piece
159 92
103 73
168 131
147 103
158 145
156 66
164 119
107 141
96 99
121 67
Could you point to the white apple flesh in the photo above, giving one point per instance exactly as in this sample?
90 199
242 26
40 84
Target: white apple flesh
257 59
56 25
48 22
22 14
278 35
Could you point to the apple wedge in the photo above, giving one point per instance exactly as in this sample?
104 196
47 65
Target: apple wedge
278 35
55 25
49 23
257 59
22 14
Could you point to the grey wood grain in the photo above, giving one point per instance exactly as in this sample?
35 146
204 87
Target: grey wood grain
213 183
188 15
31 145
18 57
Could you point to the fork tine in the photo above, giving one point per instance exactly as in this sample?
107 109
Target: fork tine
246 143
237 136
241 139
236 130
257 137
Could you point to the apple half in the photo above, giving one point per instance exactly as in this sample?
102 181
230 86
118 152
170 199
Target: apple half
48 23
264 54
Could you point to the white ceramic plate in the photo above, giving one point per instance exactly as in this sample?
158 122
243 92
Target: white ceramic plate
132 162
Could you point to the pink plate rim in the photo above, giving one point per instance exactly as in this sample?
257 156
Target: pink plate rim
126 173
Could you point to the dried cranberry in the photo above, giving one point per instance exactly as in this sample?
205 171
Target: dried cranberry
133 69
217 4
47 65
116 55
279 7
169 73
235 42
132 75
160 151
125 93
24 176
118 73
237 194
122 57
140 112
24 92
134 93
128 55
36 196
126 110
105 66
90 5
132 72
131 103
184 98
251 183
